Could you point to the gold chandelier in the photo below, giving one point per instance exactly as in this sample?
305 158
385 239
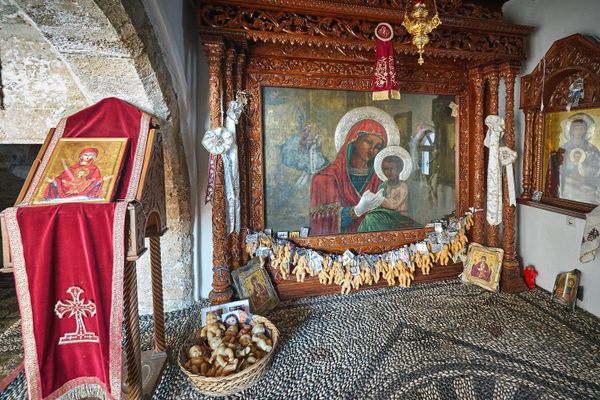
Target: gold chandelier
419 26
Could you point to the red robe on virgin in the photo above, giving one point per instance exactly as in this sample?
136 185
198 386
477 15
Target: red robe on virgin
332 190
78 180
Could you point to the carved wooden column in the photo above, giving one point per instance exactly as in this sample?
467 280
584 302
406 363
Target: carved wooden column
538 144
157 295
491 75
243 156
527 155
464 115
478 183
133 356
511 280
229 95
221 292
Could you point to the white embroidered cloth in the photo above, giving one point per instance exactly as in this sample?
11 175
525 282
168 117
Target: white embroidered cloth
590 242
494 172
222 141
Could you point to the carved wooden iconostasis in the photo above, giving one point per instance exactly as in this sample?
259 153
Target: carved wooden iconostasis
263 44
550 157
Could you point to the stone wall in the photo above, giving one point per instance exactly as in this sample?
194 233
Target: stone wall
60 57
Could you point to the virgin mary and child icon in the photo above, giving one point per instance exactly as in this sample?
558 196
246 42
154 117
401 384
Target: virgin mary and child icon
364 189
80 170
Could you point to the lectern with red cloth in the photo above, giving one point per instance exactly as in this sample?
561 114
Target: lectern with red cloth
75 267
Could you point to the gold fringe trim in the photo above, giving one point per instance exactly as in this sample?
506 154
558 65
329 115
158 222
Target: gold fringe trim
383 95
386 95
89 391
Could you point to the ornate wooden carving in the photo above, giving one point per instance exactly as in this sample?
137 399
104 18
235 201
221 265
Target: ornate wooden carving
463 148
242 152
492 77
538 147
508 216
527 155
351 27
548 84
511 280
222 292
378 9
229 95
477 164
151 193
328 45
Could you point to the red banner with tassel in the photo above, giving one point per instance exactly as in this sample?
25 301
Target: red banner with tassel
385 85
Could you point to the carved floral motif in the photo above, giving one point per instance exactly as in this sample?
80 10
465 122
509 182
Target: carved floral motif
351 33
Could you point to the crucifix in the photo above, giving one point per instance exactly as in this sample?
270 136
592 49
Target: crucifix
78 308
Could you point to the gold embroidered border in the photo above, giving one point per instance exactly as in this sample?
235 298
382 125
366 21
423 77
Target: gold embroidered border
325 209
58 132
116 312
138 161
32 371
90 387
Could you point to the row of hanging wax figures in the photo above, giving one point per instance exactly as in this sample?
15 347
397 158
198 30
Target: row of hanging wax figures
347 196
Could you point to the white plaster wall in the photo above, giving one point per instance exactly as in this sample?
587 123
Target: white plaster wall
175 30
545 239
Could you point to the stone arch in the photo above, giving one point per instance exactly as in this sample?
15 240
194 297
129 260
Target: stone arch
78 53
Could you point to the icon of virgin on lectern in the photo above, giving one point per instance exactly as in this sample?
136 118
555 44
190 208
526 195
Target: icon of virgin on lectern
91 178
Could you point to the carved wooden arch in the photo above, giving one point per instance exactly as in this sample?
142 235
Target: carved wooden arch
548 85
328 44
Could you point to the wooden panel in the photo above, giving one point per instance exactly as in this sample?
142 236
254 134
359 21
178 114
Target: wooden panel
311 287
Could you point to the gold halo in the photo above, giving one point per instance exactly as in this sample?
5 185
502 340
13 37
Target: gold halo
358 114
577 150
397 151
566 125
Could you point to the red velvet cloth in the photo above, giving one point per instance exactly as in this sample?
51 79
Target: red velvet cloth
385 85
331 188
57 248
110 117
63 246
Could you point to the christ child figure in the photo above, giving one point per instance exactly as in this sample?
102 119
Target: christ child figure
395 191
82 179
393 166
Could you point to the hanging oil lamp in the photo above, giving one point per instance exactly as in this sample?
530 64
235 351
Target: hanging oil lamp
419 26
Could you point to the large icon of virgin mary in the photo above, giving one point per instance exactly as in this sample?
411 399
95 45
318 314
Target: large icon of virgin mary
577 161
344 191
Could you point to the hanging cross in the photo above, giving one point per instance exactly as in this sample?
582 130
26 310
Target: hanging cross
79 309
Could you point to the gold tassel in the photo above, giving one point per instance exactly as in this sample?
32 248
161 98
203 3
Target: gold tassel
383 95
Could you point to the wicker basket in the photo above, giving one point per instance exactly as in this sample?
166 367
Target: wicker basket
226 385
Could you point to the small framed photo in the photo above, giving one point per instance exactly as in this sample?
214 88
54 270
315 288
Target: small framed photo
566 286
294 234
252 282
220 310
304 232
217 310
483 266
282 235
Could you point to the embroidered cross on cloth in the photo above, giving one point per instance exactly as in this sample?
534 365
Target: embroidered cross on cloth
385 85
